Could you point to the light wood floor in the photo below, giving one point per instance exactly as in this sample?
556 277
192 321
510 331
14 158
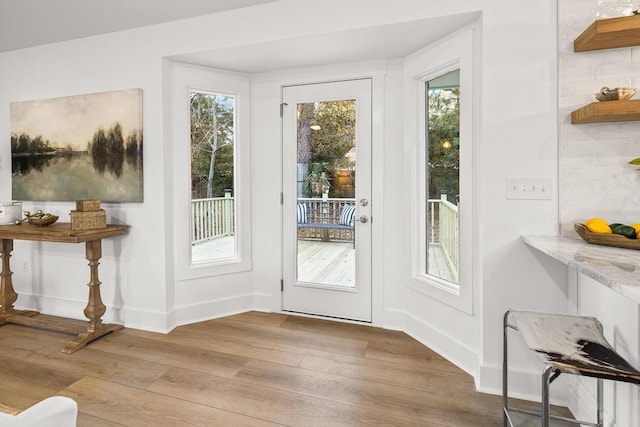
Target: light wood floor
251 369
328 263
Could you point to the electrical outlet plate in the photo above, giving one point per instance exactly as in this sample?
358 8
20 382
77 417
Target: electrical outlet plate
529 188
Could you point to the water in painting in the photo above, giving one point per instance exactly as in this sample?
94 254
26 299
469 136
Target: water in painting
78 147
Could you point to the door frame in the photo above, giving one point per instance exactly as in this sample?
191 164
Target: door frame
321 298
376 71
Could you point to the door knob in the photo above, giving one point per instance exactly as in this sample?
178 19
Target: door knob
364 219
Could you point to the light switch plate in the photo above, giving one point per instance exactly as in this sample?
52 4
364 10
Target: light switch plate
529 188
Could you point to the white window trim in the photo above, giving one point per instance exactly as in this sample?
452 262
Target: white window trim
185 79
453 52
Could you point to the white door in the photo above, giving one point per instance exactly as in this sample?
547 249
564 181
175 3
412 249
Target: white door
327 199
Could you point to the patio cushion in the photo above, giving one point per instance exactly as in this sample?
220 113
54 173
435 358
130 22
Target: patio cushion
347 215
302 213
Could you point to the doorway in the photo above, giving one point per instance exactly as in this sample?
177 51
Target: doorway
327 199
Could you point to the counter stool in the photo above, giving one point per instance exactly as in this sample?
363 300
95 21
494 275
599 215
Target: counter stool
567 344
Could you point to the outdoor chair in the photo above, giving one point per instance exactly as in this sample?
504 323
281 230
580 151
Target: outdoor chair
345 221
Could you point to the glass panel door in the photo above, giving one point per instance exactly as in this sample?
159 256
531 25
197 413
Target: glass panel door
326 170
327 186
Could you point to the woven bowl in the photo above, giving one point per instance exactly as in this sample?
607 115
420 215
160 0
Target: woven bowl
617 94
43 222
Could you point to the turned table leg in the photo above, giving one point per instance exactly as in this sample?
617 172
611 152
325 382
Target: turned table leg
95 309
7 295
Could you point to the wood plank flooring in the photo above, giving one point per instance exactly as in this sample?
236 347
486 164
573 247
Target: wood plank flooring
251 369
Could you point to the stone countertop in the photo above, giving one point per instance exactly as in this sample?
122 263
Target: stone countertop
616 268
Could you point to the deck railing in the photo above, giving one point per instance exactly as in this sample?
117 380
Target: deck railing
212 218
443 229
215 217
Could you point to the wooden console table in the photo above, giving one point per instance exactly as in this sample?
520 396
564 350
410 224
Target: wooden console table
62 233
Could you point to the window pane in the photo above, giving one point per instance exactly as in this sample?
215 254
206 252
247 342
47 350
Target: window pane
443 176
326 171
212 178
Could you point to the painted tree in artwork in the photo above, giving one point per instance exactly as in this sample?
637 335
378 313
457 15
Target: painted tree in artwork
212 140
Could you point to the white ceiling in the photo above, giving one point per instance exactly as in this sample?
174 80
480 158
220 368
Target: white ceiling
27 23
379 42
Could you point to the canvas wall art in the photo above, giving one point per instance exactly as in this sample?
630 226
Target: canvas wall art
78 147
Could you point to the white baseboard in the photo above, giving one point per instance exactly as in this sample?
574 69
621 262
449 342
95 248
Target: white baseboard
394 319
522 385
213 309
583 405
454 351
73 309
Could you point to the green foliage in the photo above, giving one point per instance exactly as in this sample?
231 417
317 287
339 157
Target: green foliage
318 180
212 141
323 150
337 133
443 118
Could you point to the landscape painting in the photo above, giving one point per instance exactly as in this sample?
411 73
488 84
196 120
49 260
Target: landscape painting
78 147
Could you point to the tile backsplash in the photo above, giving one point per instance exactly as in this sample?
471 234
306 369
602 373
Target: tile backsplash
595 178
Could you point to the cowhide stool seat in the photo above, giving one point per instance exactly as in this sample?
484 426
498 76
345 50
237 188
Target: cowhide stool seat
566 344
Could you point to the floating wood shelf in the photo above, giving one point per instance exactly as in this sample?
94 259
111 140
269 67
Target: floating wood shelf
607 111
609 33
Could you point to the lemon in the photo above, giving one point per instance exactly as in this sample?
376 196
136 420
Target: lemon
637 228
598 225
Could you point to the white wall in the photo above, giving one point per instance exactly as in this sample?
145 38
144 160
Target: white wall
517 137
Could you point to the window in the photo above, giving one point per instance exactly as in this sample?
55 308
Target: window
442 163
212 178
211 203
440 83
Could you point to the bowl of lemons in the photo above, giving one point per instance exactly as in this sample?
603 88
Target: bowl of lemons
600 232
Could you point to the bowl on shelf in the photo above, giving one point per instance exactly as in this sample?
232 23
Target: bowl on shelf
617 94
40 219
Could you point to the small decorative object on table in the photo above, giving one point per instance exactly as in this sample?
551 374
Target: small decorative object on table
87 205
88 216
40 218
617 94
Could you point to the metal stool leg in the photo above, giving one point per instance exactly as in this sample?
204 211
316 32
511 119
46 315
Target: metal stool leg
546 381
505 396
600 397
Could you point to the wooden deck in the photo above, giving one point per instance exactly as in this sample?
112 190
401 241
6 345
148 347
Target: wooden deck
329 263
222 247
438 264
